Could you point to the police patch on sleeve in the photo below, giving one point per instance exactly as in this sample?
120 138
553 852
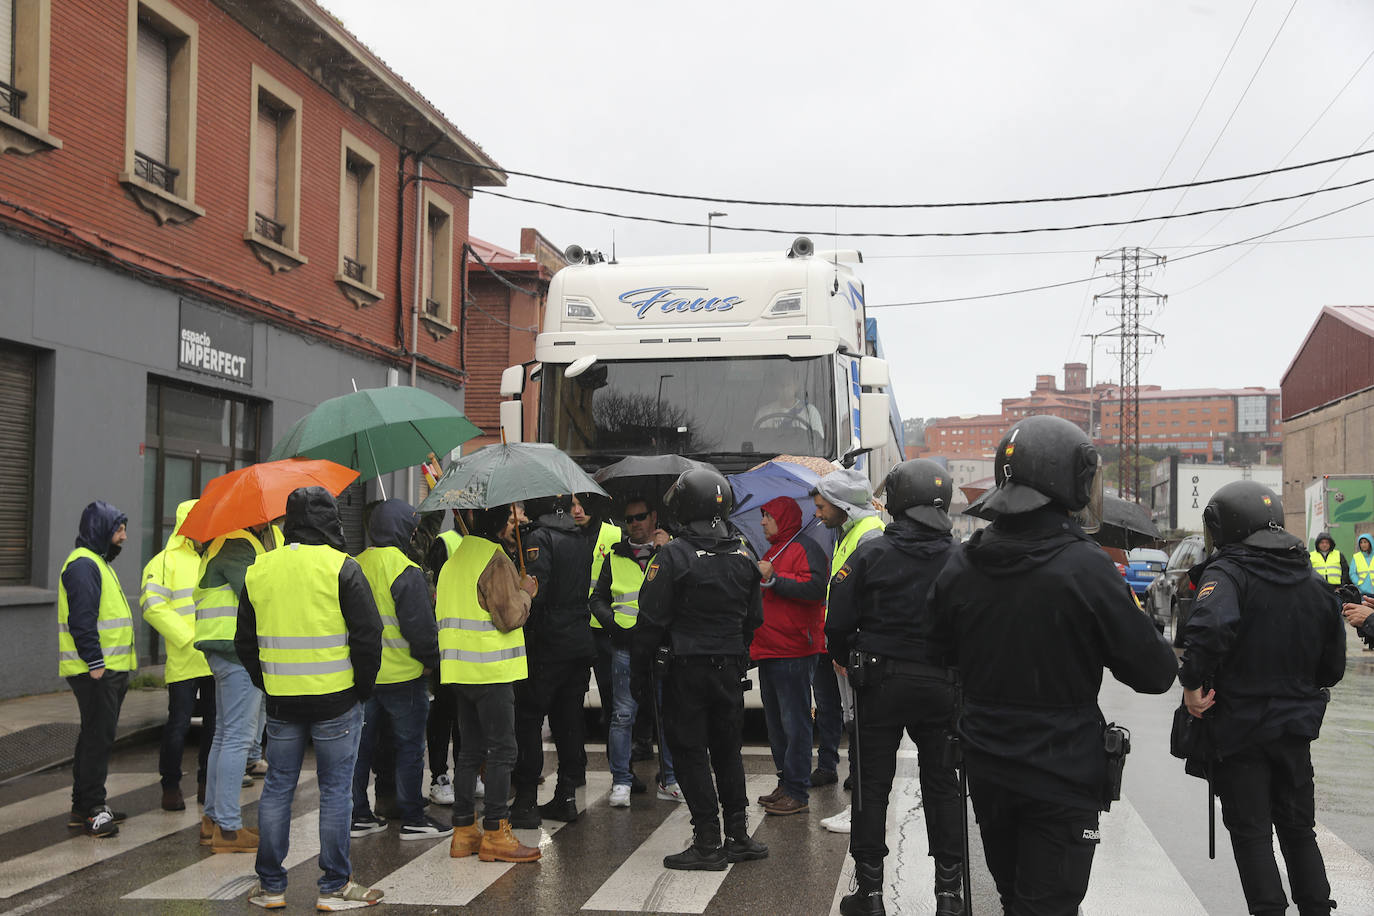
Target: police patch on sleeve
651 571
1206 590
842 574
531 553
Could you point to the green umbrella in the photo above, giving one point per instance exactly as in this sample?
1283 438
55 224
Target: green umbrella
497 475
377 430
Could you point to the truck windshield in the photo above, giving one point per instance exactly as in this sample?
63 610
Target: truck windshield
745 406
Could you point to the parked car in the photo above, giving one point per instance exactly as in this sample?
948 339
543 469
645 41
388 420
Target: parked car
1143 565
1169 598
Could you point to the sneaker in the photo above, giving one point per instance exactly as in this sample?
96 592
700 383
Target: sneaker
821 777
441 790
247 781
670 792
366 826
101 823
267 899
78 818
838 823
620 796
427 829
256 768
351 896
480 789
786 805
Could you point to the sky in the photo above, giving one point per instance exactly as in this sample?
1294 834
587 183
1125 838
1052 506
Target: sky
925 102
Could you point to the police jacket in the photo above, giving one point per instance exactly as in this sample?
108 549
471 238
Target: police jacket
1032 610
316 523
1267 634
700 596
559 627
878 597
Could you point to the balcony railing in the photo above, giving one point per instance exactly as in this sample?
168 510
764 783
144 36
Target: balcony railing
433 307
154 172
11 99
354 270
269 228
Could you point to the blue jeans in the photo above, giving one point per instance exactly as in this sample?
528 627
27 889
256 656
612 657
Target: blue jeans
336 754
255 750
406 707
620 734
237 703
829 713
785 685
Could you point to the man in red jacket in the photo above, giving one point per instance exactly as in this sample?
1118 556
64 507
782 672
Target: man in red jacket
793 633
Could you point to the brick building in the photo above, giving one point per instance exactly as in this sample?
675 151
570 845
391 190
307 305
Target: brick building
211 220
1205 424
974 436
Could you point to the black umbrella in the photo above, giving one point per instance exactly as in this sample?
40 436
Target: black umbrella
1125 524
647 476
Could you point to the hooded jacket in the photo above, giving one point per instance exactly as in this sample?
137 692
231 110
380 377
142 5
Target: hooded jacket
392 527
559 625
312 517
81 578
1267 635
794 599
227 567
168 580
1364 556
878 599
1032 611
1317 556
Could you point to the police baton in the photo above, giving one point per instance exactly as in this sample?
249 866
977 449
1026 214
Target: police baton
1211 815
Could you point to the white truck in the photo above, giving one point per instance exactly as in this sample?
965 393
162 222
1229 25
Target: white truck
727 358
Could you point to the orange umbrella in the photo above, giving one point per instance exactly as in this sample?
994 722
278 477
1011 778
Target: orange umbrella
255 495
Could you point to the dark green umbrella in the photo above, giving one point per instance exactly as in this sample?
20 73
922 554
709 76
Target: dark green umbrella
497 475
377 430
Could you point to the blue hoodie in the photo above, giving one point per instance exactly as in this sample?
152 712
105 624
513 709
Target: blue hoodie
393 524
81 578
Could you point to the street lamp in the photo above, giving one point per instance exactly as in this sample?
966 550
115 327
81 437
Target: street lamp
709 217
1092 381
658 412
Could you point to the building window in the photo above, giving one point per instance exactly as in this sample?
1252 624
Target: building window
274 151
358 196
18 393
160 111
438 261
25 29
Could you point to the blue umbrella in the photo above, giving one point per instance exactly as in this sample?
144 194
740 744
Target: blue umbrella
768 481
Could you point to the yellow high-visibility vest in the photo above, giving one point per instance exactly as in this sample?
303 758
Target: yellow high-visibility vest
626 579
850 541
450 539
217 609
168 603
302 635
471 649
114 622
382 566
606 538
1363 568
1328 567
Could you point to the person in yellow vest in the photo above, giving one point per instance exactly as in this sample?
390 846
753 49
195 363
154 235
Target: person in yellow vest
95 653
169 606
399 706
482 605
441 731
309 635
1328 562
598 537
844 504
238 703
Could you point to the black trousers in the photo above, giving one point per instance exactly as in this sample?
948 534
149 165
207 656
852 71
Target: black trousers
703 714
1040 854
1269 788
182 699
441 730
601 670
99 701
924 708
556 690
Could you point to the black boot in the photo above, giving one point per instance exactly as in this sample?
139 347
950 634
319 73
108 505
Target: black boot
949 897
868 899
705 853
563 805
739 845
524 812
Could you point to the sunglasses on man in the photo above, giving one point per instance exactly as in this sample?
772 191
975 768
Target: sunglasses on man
637 517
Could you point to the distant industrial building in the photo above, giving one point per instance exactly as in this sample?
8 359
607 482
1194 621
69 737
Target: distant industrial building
1220 425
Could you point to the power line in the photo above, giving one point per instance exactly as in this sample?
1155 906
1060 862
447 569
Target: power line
909 206
911 235
1066 251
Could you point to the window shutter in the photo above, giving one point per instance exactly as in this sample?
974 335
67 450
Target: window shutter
18 369
434 222
265 169
150 98
349 219
7 41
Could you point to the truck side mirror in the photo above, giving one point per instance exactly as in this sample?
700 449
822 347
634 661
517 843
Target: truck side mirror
873 419
513 381
873 373
513 420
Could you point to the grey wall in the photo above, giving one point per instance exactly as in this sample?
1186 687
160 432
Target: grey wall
101 334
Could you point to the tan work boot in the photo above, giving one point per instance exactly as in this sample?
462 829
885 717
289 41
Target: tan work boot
501 845
466 841
241 840
207 830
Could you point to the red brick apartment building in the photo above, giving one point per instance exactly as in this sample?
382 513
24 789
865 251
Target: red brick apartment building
212 219
1202 423
978 435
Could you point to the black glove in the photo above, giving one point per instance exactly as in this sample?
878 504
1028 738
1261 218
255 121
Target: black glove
620 636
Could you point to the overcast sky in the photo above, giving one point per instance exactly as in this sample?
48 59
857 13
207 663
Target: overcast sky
919 102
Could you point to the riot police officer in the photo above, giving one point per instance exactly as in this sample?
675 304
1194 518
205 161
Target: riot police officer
701 600
1264 640
1033 610
879 627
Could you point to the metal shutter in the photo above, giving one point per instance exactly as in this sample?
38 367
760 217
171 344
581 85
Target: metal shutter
349 218
265 169
18 369
150 97
351 502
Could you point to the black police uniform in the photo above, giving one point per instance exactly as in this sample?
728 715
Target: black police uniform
878 606
559 647
1032 611
701 598
1267 635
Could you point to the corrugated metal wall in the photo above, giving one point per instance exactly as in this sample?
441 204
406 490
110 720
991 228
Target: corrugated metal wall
1336 361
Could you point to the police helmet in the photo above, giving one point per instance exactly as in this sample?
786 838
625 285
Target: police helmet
921 490
1041 460
546 508
700 494
1247 512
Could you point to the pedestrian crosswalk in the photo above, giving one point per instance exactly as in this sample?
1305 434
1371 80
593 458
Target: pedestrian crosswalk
610 861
